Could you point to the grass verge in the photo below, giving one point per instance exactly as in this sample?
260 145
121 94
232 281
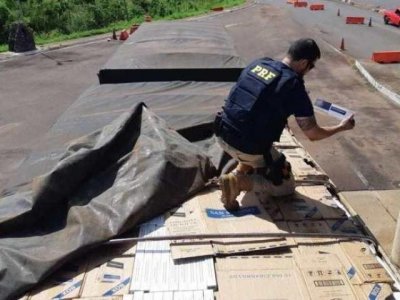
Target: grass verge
56 37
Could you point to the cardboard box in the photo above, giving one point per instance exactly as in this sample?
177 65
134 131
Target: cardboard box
327 203
332 249
251 217
344 226
309 203
191 250
109 279
125 249
376 291
287 140
270 205
324 277
183 221
205 214
103 298
303 166
179 295
310 227
365 264
259 277
284 227
299 207
244 247
64 284
156 271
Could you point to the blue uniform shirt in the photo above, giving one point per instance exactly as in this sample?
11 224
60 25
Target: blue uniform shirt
256 111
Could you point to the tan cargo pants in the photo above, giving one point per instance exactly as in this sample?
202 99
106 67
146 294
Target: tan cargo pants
260 183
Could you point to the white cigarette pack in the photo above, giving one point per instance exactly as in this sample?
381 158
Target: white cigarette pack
334 110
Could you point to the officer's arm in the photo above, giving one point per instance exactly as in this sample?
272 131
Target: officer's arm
314 132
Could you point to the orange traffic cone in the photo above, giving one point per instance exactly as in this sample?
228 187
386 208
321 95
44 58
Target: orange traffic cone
342 45
338 12
114 35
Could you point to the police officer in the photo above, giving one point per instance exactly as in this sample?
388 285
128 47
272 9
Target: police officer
255 114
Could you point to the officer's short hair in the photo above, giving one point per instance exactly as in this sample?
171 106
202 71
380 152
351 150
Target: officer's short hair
304 49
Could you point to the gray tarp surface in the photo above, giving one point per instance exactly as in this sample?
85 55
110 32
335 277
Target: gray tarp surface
107 182
178 50
109 163
188 107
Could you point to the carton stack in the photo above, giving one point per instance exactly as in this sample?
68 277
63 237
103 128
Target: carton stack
287 140
237 268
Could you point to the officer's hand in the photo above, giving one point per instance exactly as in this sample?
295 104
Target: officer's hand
348 123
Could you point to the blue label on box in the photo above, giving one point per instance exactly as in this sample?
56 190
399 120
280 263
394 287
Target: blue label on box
351 272
222 213
337 224
375 292
311 213
67 291
117 288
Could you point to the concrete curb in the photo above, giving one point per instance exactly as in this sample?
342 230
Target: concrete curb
6 56
382 89
210 14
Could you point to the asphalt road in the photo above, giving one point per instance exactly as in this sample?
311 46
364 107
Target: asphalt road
387 4
368 156
36 90
360 40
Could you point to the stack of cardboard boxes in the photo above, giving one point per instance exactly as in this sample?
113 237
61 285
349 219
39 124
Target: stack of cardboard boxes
236 268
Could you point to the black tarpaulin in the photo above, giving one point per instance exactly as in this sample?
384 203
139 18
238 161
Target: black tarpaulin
188 107
170 51
107 182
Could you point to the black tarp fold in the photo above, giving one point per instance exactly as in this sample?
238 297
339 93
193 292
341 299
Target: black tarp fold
106 183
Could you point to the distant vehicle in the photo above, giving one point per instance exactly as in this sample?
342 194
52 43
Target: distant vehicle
392 16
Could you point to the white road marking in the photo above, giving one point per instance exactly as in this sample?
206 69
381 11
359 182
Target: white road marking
362 177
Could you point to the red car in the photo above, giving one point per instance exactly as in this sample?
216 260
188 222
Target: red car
392 16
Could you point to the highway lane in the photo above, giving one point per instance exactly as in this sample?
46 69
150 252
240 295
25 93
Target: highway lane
374 4
35 90
360 40
368 156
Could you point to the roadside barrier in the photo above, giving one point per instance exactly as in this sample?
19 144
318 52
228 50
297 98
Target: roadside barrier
124 35
386 57
354 20
133 28
317 6
219 8
300 4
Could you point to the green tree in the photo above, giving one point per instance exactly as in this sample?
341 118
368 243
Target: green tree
5 14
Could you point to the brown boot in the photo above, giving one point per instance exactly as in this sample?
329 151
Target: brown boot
231 186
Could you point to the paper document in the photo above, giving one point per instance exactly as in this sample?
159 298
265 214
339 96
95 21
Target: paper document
331 109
